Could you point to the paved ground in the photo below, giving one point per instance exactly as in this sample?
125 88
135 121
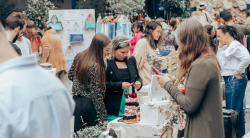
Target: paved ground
247 118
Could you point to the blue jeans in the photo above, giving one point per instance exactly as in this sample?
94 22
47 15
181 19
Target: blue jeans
235 93
111 27
164 53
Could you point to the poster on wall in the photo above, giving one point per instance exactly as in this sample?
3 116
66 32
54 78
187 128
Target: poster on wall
71 15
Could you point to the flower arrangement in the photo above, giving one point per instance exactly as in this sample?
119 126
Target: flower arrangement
92 131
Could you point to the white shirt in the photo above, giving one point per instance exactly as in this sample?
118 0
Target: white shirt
33 103
24 45
233 59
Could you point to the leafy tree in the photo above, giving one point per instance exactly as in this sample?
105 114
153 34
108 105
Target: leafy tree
38 11
176 8
98 5
132 6
7 7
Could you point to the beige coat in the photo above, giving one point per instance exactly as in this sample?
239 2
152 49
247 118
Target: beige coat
52 51
140 55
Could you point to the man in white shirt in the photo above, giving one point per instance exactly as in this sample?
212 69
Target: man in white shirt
33 103
23 43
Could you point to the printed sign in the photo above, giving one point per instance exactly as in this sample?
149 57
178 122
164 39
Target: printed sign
71 15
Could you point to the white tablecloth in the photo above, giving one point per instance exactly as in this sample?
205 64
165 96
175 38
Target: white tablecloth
140 129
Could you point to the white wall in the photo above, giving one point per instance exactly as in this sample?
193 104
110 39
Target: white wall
67 26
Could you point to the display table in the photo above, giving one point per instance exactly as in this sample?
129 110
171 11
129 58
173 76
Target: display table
140 129
51 71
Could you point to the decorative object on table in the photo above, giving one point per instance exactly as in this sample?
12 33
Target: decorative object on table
131 109
69 57
161 108
76 35
38 11
90 22
55 23
92 131
46 66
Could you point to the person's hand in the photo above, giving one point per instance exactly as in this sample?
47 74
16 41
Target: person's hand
137 85
163 80
40 54
172 78
237 21
125 85
238 76
220 45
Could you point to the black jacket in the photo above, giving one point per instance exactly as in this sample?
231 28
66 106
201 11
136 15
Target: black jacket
114 89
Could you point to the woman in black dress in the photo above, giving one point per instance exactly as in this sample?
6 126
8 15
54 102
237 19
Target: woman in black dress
120 74
88 75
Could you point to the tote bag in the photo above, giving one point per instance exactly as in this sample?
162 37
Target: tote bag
90 22
69 57
55 23
76 35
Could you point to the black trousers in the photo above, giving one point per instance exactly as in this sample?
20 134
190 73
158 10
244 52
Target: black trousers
85 108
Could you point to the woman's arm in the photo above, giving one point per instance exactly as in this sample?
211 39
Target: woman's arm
140 53
97 95
244 57
195 88
40 51
113 86
247 23
46 49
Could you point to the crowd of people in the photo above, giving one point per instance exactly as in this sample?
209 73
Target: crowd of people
36 104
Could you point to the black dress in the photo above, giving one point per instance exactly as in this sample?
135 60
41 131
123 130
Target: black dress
125 75
114 79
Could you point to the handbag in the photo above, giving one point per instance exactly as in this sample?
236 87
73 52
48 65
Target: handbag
69 57
76 35
90 22
55 24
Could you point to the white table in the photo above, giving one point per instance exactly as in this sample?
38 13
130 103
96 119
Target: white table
51 71
140 129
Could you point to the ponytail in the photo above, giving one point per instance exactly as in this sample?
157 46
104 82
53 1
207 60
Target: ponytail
45 27
232 32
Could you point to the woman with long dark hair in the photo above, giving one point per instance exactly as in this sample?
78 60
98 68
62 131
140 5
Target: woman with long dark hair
150 40
233 58
200 71
88 76
211 34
